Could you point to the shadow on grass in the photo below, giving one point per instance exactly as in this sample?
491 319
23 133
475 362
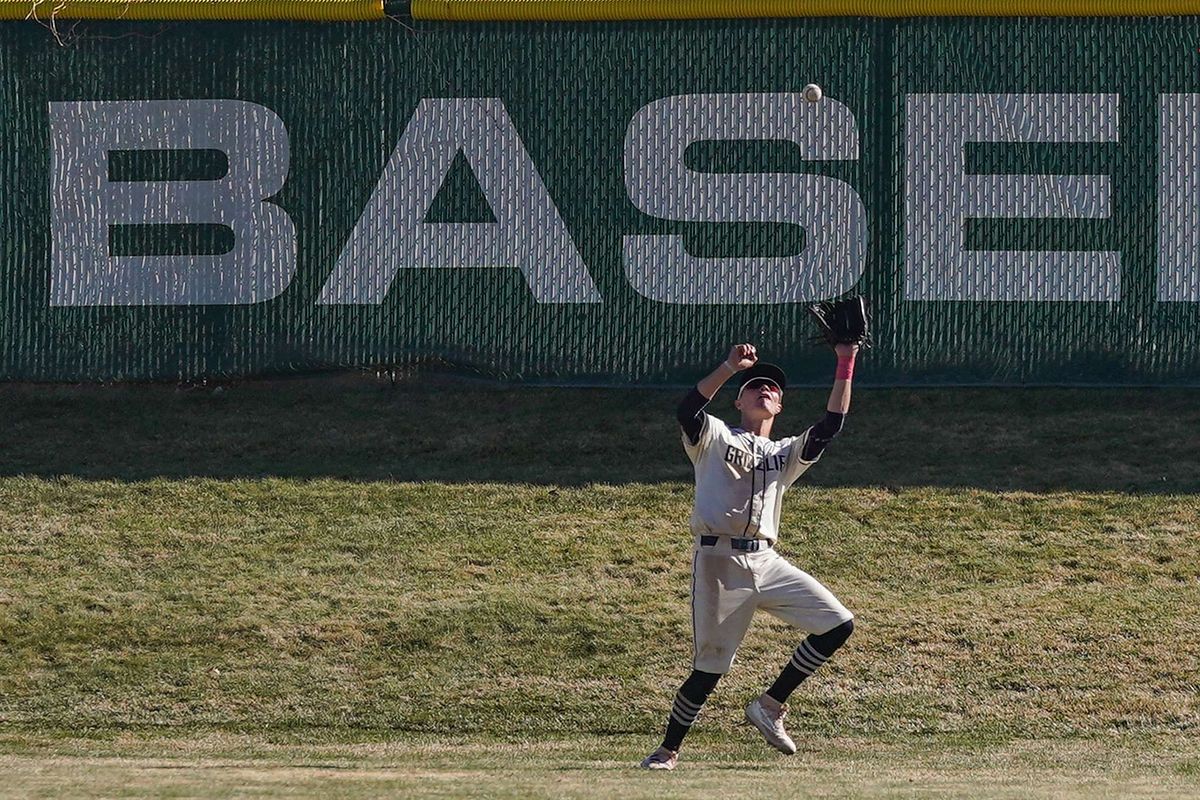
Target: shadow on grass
442 429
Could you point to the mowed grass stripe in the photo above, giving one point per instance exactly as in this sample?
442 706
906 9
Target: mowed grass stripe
164 763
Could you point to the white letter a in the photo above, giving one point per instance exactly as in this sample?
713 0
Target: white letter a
528 233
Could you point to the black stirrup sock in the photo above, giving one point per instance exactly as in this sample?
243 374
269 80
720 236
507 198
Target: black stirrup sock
811 654
688 701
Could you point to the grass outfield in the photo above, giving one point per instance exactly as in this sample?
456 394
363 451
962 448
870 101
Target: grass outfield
216 764
447 589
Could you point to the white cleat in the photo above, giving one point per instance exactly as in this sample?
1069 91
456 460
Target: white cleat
770 725
662 758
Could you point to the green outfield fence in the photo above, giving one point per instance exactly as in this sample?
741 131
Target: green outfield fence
600 202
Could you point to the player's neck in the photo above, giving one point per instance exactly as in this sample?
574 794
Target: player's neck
759 427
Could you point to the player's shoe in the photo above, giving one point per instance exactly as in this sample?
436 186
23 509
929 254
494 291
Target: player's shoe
662 758
770 725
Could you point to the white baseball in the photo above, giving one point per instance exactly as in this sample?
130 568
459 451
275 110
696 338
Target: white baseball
812 93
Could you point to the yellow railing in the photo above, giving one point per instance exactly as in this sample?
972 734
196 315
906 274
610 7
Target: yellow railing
575 10
585 10
311 10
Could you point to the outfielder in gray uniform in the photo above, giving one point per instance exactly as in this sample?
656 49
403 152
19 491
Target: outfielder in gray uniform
741 476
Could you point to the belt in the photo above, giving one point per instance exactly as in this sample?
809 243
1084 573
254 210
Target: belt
749 545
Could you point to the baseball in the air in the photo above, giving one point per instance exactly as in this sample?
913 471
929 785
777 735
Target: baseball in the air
812 93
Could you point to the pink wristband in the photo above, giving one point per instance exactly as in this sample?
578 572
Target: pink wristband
845 368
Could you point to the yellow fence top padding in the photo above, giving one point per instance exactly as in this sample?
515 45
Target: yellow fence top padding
310 10
593 10
577 10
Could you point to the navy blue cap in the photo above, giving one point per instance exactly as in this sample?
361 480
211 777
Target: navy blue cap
763 371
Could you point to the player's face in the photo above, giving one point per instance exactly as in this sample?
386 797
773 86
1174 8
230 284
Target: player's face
760 399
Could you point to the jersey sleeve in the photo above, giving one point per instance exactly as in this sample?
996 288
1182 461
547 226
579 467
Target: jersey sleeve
710 431
795 465
690 414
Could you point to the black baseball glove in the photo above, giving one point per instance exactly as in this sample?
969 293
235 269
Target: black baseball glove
843 321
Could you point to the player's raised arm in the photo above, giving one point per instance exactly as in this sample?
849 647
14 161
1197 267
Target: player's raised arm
821 434
691 410
839 397
741 356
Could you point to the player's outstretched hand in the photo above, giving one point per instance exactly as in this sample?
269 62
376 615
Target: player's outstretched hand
843 321
742 356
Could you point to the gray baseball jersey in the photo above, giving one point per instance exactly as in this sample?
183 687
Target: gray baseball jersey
741 479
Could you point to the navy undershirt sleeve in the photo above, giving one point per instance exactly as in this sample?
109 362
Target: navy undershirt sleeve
691 414
822 434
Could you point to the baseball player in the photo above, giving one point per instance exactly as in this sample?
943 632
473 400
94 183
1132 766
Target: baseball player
741 476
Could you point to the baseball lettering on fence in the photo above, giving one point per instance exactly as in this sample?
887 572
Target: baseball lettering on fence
530 235
940 197
660 185
85 205
1178 198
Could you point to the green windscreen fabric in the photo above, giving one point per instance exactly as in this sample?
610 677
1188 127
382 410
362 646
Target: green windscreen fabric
614 203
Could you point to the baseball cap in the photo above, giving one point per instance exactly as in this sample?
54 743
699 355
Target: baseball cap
763 372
